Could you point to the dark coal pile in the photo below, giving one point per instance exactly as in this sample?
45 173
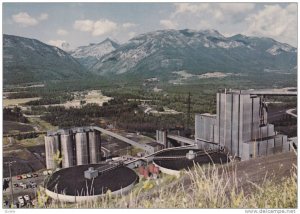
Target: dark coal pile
178 160
71 181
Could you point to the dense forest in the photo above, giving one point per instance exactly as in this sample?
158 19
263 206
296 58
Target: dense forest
14 114
124 115
130 98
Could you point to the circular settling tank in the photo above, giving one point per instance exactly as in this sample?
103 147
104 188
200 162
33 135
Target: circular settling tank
70 184
172 160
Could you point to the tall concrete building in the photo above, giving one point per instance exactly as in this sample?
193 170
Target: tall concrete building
240 126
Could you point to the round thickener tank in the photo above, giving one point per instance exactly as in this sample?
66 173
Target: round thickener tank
51 149
81 148
171 161
71 185
94 147
67 150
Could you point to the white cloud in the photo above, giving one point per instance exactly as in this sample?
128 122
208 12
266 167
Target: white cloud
62 44
190 7
43 16
131 34
219 11
62 32
26 20
236 7
168 24
278 21
103 26
218 15
84 25
96 28
212 7
129 25
56 43
275 21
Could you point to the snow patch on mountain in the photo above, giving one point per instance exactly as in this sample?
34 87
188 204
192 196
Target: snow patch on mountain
229 44
181 49
59 52
95 50
279 48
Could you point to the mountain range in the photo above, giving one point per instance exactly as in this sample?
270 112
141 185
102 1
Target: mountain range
154 54
29 60
197 52
92 53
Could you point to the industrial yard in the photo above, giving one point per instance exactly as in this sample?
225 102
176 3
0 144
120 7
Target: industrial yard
251 151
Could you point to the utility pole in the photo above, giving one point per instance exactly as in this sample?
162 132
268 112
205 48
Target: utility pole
188 112
11 185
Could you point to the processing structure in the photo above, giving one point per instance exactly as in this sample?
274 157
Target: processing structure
172 160
89 182
240 126
80 146
238 129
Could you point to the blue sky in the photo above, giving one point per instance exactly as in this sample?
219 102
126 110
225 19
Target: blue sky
84 23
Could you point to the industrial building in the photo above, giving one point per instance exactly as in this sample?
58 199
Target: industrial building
78 146
239 126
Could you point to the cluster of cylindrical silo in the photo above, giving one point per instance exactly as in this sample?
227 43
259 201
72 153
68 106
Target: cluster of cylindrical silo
66 148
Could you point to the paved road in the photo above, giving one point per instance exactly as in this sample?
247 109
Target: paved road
275 115
290 112
32 116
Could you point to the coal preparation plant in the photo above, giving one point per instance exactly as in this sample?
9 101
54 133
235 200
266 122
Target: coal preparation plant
240 125
89 182
171 161
239 130
80 146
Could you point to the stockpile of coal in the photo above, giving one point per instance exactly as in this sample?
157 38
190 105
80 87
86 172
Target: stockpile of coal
178 160
71 181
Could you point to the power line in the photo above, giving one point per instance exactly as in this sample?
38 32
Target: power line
9 163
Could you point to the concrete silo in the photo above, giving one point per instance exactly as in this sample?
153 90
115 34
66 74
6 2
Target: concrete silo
51 149
94 146
67 149
82 154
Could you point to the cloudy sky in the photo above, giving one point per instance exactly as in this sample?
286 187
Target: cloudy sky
83 23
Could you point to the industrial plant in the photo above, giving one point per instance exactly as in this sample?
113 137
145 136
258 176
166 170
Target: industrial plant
238 131
240 126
